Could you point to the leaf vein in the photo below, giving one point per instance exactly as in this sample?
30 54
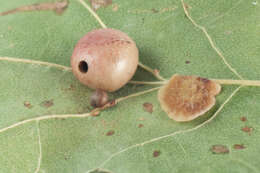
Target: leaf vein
40 148
28 61
212 44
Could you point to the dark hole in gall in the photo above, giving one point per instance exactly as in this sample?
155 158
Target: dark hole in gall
83 66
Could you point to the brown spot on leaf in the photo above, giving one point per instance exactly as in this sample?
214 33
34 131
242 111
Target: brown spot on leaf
110 133
140 125
57 7
27 104
186 6
115 7
239 146
247 129
156 71
243 119
47 103
95 113
156 153
187 62
141 119
219 149
228 32
96 4
185 98
148 107
154 10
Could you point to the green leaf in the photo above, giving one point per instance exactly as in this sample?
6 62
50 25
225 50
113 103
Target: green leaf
43 127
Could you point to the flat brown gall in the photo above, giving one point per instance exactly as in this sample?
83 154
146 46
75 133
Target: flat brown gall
185 98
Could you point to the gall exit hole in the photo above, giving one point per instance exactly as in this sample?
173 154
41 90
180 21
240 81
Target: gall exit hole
83 66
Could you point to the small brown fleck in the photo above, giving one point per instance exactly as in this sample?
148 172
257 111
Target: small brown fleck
156 153
186 6
112 103
228 32
47 103
154 10
71 87
148 107
96 4
27 104
140 125
187 62
95 113
141 119
156 71
110 133
115 7
247 129
239 146
243 118
219 149
205 80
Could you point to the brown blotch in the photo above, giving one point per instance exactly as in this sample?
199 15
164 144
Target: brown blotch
219 149
27 104
96 4
47 103
239 146
156 153
140 125
247 129
185 98
243 119
110 133
148 107
58 7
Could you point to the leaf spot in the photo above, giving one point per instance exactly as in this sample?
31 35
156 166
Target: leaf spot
140 125
110 133
187 62
47 103
239 146
156 153
148 107
115 7
27 104
153 10
96 4
247 129
219 149
57 7
243 119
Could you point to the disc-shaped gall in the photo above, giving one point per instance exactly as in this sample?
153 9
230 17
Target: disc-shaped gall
105 59
185 98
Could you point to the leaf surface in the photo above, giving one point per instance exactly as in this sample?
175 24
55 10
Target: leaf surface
40 130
